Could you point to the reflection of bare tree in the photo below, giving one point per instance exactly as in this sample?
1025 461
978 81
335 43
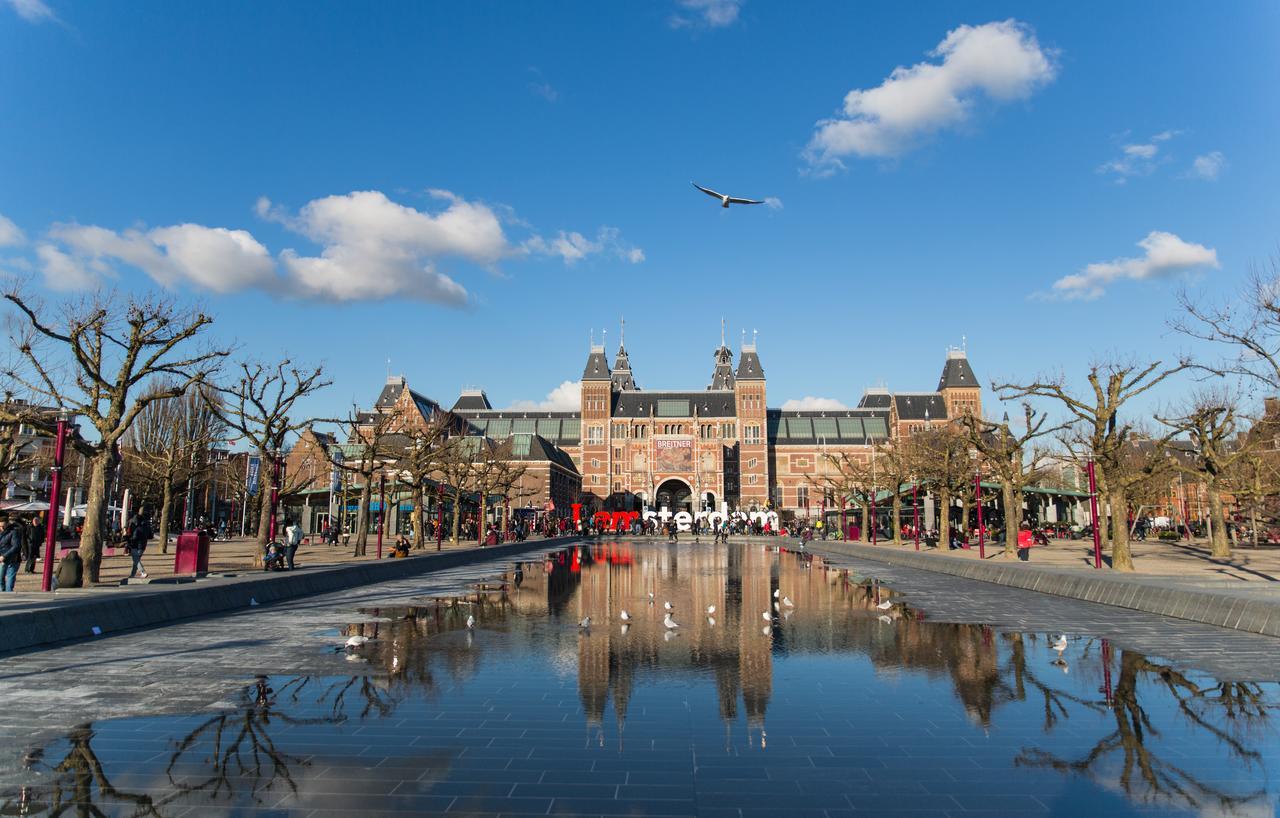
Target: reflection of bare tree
1143 774
1025 681
242 746
77 776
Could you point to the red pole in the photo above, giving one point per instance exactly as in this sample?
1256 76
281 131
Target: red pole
915 508
382 509
439 515
55 488
982 537
1093 516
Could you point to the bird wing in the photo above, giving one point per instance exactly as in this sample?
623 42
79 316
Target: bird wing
734 200
708 192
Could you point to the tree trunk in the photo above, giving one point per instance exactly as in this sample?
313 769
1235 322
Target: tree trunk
897 517
1121 558
362 517
264 513
457 514
1012 500
95 508
1218 521
944 519
865 534
166 512
964 518
419 533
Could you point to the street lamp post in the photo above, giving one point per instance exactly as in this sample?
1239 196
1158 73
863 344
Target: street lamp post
1093 515
382 509
439 515
915 510
55 487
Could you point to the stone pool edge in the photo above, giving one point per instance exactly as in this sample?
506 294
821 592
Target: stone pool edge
1139 593
50 620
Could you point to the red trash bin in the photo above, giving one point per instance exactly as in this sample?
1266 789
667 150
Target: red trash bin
192 555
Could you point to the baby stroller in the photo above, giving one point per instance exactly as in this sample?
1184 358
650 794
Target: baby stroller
273 559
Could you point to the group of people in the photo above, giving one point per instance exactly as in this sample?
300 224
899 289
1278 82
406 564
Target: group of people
20 543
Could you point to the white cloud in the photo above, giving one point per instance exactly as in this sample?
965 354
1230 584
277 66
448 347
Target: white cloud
812 403
541 87
708 13
211 258
1208 167
1001 60
1164 255
567 397
10 235
773 203
369 248
33 11
572 246
375 248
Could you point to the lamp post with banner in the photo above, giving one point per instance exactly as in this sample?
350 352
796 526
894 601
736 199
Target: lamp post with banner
55 487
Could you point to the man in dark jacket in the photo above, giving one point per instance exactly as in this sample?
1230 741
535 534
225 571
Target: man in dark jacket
10 553
35 538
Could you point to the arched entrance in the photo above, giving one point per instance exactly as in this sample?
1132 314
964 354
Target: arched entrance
674 495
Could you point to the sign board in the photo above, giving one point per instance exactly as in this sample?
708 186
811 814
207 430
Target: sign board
673 456
252 467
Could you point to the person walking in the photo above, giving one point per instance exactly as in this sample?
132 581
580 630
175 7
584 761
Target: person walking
11 545
292 539
138 534
1025 542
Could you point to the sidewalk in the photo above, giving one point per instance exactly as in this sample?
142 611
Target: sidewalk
233 555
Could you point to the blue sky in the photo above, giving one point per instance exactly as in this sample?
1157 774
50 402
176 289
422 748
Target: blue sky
469 188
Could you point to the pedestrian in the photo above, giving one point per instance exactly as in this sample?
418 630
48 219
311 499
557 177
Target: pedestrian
138 534
35 536
1025 542
11 544
292 539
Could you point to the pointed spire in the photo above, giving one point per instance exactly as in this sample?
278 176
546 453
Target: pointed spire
622 332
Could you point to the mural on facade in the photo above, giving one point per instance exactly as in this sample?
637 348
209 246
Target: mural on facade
673 456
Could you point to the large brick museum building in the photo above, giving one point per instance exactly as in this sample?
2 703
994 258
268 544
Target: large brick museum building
720 447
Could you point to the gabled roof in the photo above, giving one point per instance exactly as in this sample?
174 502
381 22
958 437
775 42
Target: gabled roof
956 372
474 399
708 404
876 399
722 376
390 392
622 378
532 448
749 367
847 427
920 406
597 368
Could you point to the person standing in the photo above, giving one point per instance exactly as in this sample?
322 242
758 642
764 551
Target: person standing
138 534
1025 542
292 539
35 536
11 545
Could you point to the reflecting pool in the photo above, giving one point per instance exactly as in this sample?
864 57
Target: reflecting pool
774 684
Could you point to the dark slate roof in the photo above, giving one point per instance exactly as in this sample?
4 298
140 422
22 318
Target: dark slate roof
390 392
956 372
722 376
846 427
749 367
708 404
914 405
561 428
875 400
622 378
526 447
426 406
597 368
475 400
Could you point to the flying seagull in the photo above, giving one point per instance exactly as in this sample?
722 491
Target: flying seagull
725 200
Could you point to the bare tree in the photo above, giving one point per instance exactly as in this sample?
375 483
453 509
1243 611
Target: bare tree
16 449
421 452
1014 459
1248 328
1112 385
1212 424
850 478
169 443
455 467
944 465
102 355
260 402
369 448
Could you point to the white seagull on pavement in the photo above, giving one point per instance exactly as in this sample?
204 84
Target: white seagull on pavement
726 200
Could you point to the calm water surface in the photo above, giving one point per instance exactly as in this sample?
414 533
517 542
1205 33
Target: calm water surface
846 701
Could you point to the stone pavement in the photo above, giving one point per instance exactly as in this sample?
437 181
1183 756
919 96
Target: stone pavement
236 554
